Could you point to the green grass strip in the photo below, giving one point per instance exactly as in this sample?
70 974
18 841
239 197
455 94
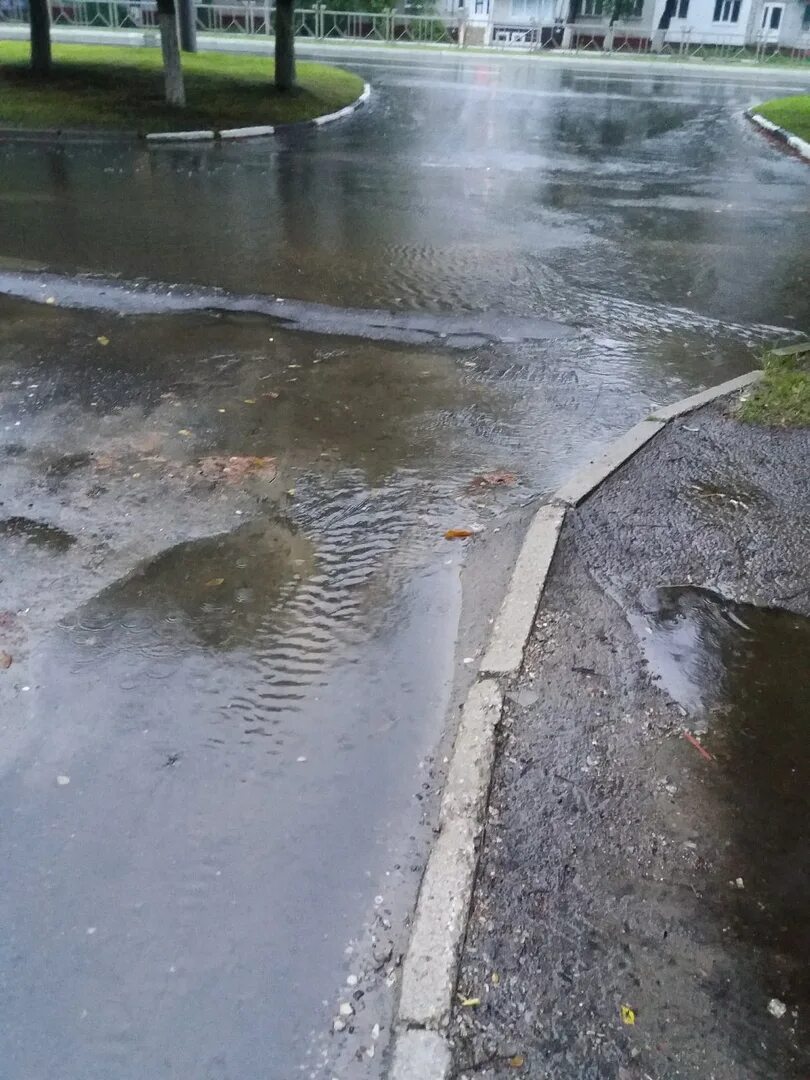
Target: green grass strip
790 113
782 397
101 87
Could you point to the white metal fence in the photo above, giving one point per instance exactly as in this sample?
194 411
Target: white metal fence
321 23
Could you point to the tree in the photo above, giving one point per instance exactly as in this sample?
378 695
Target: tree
40 22
169 45
188 25
285 44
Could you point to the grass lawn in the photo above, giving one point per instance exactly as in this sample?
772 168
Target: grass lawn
95 86
783 396
791 113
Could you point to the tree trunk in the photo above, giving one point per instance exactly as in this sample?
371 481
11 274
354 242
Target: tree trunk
188 25
172 71
285 44
40 21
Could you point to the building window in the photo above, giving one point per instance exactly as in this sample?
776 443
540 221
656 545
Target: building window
727 11
683 9
623 9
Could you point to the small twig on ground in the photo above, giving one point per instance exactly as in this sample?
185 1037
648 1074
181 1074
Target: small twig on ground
690 738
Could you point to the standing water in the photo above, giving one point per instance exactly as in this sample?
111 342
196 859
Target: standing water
227 689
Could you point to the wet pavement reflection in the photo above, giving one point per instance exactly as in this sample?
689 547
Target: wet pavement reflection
222 722
741 673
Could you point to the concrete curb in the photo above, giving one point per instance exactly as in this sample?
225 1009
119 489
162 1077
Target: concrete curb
180 136
793 141
430 967
260 130
157 138
514 622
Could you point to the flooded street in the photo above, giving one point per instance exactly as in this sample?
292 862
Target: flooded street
245 391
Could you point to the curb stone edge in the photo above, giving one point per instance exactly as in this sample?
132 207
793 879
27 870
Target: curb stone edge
158 138
793 141
260 130
430 965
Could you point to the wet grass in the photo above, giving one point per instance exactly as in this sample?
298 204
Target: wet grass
791 113
782 398
122 89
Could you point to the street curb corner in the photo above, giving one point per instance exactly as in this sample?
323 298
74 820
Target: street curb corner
581 484
259 130
793 141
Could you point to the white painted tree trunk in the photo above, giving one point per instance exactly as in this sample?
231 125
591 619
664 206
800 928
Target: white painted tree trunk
170 47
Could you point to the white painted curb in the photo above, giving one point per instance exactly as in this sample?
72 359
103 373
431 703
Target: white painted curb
800 145
247 132
259 130
180 136
516 617
430 967
319 121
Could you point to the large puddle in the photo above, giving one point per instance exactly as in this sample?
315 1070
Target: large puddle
742 673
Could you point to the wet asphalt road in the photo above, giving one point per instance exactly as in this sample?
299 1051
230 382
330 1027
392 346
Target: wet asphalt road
218 771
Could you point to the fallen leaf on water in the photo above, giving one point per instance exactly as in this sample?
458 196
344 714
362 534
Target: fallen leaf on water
214 582
250 401
102 340
236 468
458 534
628 1015
183 431
498 478
5 660
517 1061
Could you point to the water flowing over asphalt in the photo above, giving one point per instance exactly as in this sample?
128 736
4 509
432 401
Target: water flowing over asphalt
223 714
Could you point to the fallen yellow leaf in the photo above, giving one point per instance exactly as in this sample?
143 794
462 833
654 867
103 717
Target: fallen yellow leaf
250 401
517 1061
628 1015
214 582
51 300
470 1002
183 431
102 340
495 978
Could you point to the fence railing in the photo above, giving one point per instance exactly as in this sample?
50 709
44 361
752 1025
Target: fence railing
321 23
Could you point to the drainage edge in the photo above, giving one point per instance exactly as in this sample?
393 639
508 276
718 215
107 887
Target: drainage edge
430 966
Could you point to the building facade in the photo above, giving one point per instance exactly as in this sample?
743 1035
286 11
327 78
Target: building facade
653 24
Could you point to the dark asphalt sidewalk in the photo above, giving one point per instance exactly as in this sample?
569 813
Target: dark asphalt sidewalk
624 865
